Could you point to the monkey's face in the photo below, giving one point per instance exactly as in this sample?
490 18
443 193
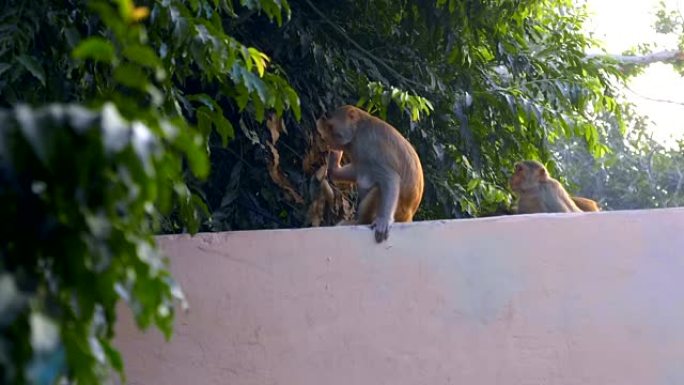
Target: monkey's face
517 178
336 130
523 179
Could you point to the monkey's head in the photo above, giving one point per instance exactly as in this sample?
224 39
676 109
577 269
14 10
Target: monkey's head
337 128
527 176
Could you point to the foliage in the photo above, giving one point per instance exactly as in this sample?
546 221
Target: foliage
79 189
475 86
671 22
639 172
85 183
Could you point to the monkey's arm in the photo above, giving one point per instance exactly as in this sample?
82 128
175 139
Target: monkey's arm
557 200
568 202
551 199
389 196
345 174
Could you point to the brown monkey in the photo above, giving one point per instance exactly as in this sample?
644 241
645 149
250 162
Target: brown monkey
384 166
585 204
538 192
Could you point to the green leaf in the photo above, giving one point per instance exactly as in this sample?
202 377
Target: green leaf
114 358
94 48
223 127
4 67
131 76
204 99
473 184
260 60
198 161
142 55
32 65
204 120
259 110
241 97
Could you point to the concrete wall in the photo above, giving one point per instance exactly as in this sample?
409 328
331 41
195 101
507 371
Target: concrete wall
537 299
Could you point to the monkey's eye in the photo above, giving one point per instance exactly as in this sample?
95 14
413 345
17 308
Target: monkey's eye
518 168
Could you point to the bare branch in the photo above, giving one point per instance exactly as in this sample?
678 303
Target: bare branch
654 99
667 56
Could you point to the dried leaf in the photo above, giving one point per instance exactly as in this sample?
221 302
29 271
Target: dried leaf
316 211
327 192
347 208
324 194
315 155
275 125
278 177
309 161
321 173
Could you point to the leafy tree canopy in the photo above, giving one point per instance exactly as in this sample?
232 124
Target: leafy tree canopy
474 85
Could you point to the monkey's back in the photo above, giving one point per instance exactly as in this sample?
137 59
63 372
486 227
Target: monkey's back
398 153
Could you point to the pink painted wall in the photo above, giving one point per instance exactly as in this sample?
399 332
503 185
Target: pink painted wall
537 299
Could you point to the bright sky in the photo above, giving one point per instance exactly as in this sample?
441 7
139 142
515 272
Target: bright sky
622 24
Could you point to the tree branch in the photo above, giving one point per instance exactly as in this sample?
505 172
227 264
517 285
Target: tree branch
667 56
654 99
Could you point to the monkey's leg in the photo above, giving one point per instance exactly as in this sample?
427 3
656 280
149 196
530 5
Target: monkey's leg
388 199
368 205
406 208
403 215
585 204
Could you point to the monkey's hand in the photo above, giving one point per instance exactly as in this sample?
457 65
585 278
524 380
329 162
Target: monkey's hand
381 226
334 158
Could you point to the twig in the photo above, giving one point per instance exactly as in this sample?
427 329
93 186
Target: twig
654 99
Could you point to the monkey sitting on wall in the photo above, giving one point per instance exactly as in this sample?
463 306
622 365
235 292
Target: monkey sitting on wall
384 166
538 192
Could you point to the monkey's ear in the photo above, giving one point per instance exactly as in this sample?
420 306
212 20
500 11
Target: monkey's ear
352 115
542 174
